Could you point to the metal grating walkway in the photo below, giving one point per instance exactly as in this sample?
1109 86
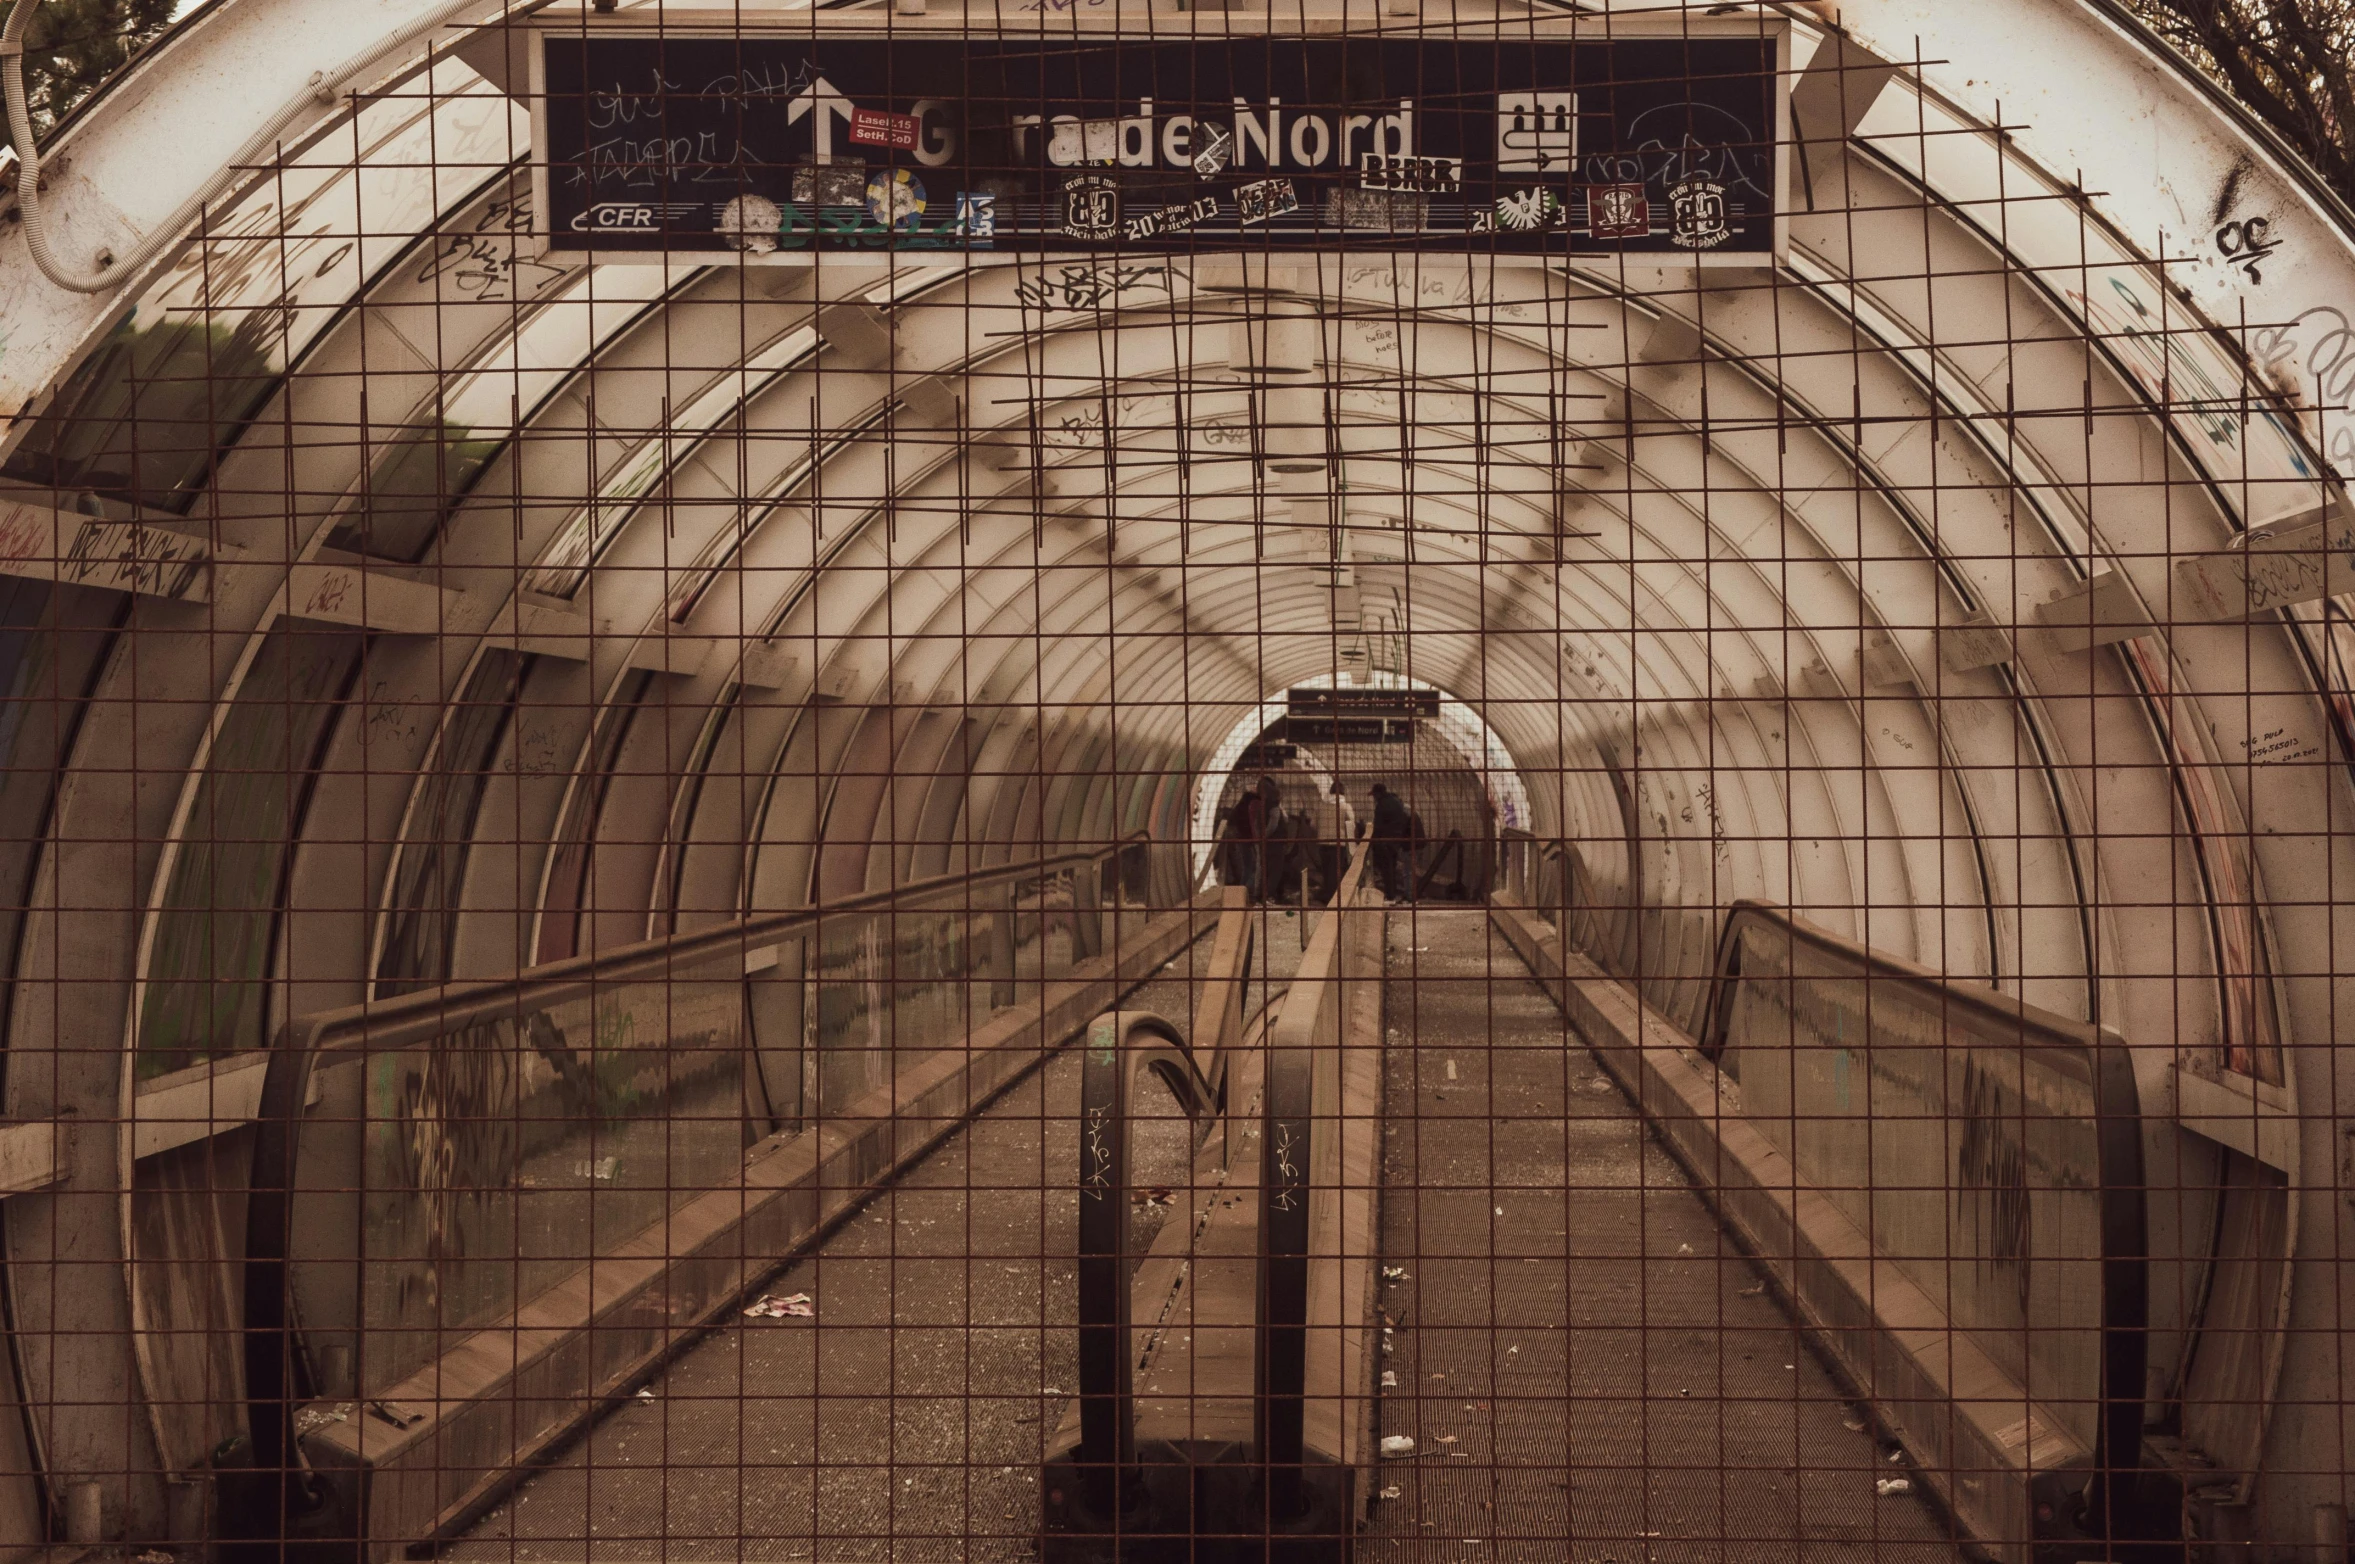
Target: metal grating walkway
1580 1354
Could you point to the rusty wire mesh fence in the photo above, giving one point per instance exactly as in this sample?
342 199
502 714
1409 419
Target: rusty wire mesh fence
1112 782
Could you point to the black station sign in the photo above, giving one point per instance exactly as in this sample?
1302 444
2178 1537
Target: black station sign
773 148
1320 701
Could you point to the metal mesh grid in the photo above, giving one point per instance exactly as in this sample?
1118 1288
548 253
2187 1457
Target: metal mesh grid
578 815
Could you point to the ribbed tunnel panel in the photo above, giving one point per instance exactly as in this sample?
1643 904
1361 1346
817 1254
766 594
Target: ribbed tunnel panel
574 765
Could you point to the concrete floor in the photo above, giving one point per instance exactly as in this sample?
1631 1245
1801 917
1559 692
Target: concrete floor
1588 1370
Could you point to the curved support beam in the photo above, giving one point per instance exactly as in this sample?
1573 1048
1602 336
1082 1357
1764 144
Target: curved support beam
2061 80
244 84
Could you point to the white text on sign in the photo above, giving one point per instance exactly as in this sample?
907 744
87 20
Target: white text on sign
1411 175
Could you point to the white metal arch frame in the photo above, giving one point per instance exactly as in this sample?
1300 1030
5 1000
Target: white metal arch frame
2202 145
1868 832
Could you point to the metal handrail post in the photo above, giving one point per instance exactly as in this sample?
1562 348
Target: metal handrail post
1288 1109
1122 1046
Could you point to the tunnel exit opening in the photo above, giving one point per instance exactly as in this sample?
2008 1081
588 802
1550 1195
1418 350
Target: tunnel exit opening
1325 745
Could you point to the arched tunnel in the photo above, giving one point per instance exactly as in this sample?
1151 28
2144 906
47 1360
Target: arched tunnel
408 600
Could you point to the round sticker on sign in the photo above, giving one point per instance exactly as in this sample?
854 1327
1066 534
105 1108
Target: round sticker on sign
1091 207
750 224
895 198
1697 217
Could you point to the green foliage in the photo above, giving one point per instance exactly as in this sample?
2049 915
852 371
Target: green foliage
75 45
142 417
2292 61
417 480
214 932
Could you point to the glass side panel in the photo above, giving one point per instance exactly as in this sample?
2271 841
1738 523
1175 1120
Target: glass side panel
496 1160
561 909
1970 1154
445 1183
422 912
142 418
565 563
212 936
424 467
53 641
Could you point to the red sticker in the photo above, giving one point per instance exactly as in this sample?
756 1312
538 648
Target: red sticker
1618 212
873 128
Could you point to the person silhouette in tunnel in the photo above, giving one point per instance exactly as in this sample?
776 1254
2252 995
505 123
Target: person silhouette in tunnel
1334 850
1256 813
1393 834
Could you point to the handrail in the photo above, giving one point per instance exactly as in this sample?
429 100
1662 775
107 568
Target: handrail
1122 1046
1880 967
1218 1016
389 1023
1238 1407
1288 1109
1516 850
277 1376
2018 1065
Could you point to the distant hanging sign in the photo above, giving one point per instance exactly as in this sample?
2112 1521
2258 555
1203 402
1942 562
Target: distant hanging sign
1328 731
1323 701
774 147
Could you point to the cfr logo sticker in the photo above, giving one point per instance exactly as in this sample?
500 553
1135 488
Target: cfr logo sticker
630 217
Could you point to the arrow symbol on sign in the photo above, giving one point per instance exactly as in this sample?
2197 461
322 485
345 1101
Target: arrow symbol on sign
822 96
